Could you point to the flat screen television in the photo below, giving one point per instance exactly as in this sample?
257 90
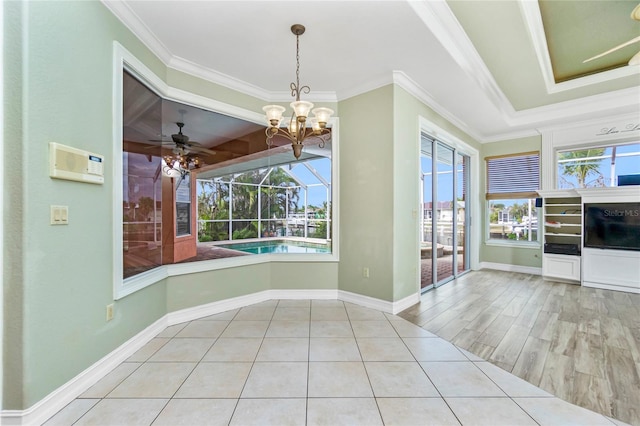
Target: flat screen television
613 226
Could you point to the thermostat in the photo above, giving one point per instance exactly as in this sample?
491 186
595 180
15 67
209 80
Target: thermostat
70 163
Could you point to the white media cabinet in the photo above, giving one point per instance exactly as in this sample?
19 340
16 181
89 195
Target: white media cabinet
563 223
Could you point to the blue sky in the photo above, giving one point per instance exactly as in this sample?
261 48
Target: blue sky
316 194
627 161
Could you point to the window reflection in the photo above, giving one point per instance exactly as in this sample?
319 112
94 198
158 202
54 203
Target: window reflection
142 213
239 191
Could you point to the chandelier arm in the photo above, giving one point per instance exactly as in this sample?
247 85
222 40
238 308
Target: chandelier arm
318 136
296 90
279 131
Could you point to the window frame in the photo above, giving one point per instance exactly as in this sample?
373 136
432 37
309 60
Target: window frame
605 146
612 130
512 196
123 60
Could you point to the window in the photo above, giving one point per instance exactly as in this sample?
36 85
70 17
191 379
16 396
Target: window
239 197
512 184
285 201
183 206
596 166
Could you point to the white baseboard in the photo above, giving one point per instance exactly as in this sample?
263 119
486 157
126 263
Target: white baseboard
406 303
511 268
59 398
366 301
613 287
190 314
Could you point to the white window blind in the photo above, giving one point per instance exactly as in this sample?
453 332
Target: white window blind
513 176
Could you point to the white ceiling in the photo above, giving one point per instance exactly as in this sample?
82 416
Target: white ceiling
351 47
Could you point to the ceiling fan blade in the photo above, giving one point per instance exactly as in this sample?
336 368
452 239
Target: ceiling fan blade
160 144
196 148
625 44
635 59
635 13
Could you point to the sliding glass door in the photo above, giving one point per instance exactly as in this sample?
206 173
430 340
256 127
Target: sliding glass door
444 227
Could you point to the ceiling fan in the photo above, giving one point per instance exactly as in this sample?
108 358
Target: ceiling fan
635 60
185 154
182 145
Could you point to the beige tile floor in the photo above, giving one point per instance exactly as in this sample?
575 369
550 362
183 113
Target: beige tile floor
312 362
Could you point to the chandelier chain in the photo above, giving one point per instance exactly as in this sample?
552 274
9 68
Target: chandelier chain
298 65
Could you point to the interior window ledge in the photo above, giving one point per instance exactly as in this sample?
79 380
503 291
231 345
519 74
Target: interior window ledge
145 279
519 244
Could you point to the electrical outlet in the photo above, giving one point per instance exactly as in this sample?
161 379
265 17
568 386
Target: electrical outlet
110 312
365 272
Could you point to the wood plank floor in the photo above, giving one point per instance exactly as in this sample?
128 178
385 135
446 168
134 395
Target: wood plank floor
581 344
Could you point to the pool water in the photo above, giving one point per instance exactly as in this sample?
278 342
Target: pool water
267 247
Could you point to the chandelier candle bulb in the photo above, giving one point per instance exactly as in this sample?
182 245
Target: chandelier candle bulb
315 125
293 127
301 108
274 114
322 115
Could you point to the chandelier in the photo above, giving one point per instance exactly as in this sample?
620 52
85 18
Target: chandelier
180 162
297 130
182 158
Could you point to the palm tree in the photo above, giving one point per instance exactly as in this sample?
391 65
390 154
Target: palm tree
280 196
582 164
245 197
213 204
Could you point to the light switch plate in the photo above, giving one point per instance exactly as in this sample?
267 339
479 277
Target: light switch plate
59 215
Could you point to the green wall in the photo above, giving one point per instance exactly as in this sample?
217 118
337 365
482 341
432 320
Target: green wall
12 215
379 191
60 277
189 290
510 255
366 193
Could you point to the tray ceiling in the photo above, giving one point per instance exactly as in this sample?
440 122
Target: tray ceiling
479 64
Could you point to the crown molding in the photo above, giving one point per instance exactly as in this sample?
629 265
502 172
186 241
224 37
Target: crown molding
366 86
183 65
624 101
128 17
439 18
441 21
404 81
531 13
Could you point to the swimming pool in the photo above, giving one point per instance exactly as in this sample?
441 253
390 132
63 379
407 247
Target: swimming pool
266 247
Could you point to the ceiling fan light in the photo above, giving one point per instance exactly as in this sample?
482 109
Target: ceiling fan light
301 108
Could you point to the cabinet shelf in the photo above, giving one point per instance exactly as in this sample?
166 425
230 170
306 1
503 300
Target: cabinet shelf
562 212
560 234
